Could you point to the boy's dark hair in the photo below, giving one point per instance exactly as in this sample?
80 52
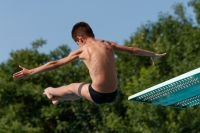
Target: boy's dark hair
82 29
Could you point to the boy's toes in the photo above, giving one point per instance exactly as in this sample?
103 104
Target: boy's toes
56 100
48 94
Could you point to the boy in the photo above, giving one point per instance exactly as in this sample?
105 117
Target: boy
98 56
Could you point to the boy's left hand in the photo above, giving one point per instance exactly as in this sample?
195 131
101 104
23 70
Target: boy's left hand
157 56
24 73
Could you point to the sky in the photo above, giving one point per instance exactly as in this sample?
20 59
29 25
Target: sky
23 21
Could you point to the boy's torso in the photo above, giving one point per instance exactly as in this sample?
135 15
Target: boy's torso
99 58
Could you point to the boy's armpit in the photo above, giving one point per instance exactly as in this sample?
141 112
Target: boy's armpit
121 47
72 56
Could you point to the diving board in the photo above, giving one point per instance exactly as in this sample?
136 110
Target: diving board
180 92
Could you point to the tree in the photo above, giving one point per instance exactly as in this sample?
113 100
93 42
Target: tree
25 109
179 37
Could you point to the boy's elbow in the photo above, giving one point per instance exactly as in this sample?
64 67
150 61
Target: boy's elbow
133 50
53 64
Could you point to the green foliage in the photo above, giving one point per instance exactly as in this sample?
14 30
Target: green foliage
24 108
179 38
38 43
196 5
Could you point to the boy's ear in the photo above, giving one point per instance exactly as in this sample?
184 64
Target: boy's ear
79 39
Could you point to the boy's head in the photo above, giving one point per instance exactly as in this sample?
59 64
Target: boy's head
82 29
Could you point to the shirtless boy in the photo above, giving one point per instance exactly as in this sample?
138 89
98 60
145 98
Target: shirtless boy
98 56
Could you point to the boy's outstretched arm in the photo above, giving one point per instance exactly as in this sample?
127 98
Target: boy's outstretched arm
24 73
136 51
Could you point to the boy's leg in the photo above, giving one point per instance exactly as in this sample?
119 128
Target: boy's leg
57 99
69 92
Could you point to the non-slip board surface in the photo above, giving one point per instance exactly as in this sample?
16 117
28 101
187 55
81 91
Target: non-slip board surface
180 92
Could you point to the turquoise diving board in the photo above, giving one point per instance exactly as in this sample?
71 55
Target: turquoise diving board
180 92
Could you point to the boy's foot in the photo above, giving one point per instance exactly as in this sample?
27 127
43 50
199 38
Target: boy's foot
56 100
47 92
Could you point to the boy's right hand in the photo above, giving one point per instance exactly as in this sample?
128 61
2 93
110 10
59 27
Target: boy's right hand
24 73
153 58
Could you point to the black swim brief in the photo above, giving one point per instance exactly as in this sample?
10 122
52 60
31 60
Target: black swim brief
101 98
